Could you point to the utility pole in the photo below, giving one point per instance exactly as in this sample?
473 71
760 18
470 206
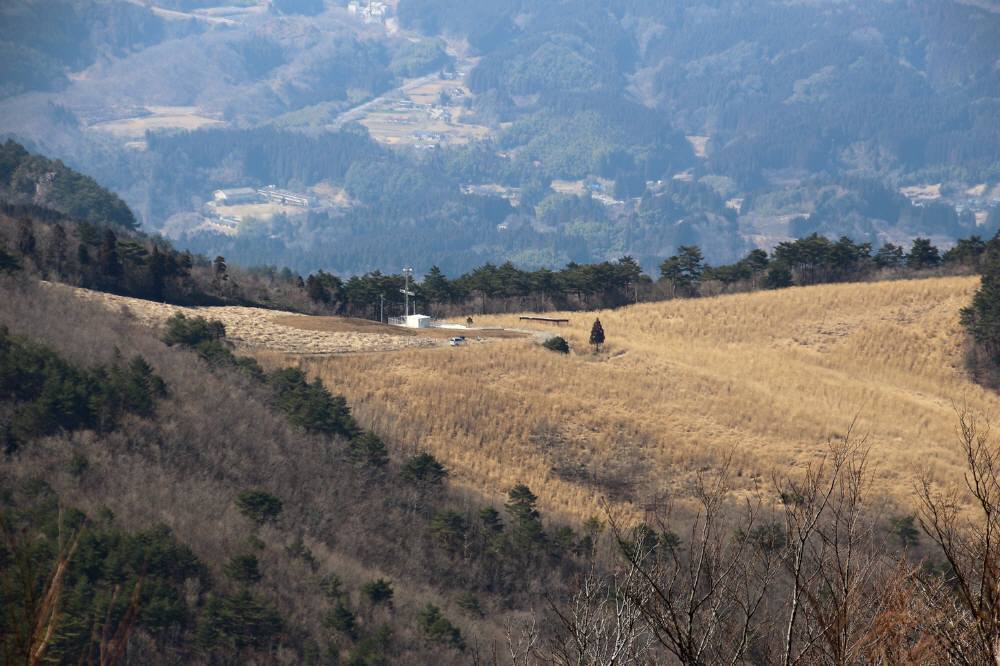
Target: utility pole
381 308
407 273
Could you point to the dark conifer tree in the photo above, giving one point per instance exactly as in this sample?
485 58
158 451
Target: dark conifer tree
109 264
982 317
889 256
157 274
922 254
317 292
597 335
220 268
526 522
56 250
26 242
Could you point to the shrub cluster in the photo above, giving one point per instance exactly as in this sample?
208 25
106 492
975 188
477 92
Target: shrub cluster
46 394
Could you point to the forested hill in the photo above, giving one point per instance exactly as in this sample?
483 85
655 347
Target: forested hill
873 86
33 179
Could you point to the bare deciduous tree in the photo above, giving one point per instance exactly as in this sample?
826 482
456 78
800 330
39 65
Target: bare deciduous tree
34 622
965 598
836 558
521 640
603 624
800 574
700 601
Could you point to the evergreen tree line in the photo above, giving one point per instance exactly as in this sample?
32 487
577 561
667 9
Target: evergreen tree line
981 319
54 246
133 264
43 394
814 259
113 585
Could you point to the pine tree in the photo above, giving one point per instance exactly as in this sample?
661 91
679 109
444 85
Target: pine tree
449 528
243 568
109 264
982 318
316 291
778 277
423 470
342 619
491 520
140 387
368 450
597 335
221 273
56 250
435 286
922 254
157 269
26 243
526 522
378 591
437 629
684 270
259 506
889 256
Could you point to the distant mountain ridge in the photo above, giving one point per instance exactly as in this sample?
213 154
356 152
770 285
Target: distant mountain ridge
595 128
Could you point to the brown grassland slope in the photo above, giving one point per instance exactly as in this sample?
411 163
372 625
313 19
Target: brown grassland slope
678 385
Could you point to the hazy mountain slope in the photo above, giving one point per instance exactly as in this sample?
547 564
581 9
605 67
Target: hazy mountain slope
596 128
34 180
776 85
42 40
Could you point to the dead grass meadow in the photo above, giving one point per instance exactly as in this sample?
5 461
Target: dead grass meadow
775 375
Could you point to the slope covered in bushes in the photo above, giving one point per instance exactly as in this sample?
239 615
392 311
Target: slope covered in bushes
287 511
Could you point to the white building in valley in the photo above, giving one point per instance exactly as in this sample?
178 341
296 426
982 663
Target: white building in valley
237 195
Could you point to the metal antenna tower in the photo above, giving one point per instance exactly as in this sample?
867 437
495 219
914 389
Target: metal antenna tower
407 274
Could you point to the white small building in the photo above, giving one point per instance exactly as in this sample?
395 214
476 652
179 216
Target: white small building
417 321
238 195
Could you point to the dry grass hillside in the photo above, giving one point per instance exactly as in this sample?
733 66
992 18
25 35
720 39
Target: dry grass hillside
252 328
680 384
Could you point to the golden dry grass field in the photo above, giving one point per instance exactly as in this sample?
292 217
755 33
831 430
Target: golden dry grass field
775 374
